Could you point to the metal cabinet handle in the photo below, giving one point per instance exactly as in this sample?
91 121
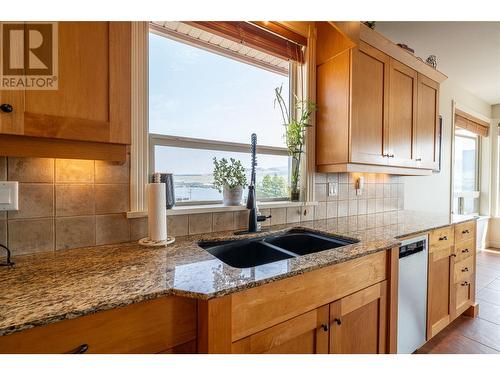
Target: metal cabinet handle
6 108
465 269
444 238
418 159
454 255
465 283
324 327
79 350
391 155
465 250
465 231
338 321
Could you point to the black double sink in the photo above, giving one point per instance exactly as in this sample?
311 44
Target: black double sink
275 247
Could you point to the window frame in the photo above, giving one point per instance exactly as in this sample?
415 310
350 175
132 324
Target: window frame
156 139
212 145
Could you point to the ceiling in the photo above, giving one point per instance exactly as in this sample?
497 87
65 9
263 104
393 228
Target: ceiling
467 52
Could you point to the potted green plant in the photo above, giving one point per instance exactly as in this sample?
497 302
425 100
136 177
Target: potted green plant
229 179
296 123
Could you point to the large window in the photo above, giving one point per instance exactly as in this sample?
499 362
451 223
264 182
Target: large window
466 172
204 105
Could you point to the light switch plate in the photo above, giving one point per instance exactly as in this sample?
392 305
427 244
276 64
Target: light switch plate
9 196
333 189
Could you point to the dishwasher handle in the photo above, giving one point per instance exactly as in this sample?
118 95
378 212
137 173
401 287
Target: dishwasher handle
412 248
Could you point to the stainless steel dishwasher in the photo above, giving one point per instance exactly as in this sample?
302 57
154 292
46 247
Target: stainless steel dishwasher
412 294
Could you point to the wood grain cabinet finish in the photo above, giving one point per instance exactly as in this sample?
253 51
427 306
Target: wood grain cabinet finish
358 322
374 111
451 274
163 325
93 101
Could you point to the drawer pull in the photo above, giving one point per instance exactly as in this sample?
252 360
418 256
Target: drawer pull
444 238
338 321
6 108
465 283
465 269
465 251
418 159
79 350
324 327
453 255
466 231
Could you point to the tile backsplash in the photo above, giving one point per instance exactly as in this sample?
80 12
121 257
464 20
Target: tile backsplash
76 203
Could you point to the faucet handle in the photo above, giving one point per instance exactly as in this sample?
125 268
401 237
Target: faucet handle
263 217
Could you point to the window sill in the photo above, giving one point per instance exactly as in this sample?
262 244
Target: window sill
210 208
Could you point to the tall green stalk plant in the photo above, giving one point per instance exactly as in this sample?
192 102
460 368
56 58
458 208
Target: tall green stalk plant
296 123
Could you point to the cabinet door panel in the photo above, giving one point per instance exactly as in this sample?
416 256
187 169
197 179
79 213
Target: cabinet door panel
439 290
304 334
402 114
370 82
358 322
427 128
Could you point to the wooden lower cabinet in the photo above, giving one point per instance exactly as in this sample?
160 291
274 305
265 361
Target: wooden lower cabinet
163 325
358 322
451 274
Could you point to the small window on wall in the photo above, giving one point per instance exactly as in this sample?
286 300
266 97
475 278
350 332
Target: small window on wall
203 104
466 172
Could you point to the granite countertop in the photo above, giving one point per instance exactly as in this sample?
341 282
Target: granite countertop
48 287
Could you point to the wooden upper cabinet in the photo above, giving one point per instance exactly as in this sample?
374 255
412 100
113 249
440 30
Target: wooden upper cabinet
402 114
370 85
426 141
359 322
93 101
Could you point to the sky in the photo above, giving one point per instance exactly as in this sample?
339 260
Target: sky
195 93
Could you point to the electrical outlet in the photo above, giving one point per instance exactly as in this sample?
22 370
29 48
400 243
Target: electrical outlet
333 189
9 196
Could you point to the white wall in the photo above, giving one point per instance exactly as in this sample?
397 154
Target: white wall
432 193
494 225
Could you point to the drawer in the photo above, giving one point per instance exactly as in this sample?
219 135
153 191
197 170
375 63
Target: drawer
465 231
463 270
441 238
145 327
464 249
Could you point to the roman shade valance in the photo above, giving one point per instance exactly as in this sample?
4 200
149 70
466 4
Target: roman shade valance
473 124
267 37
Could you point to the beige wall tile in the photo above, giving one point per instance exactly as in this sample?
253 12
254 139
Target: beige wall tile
70 170
320 211
73 232
111 198
241 219
31 169
138 228
320 192
278 216
320 178
3 232
223 221
333 177
343 208
178 225
343 192
31 235
293 214
331 209
362 222
3 168
362 206
75 200
112 229
35 200
200 223
107 172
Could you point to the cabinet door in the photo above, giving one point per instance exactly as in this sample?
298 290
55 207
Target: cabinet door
370 103
402 114
440 289
92 102
358 322
426 142
305 334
